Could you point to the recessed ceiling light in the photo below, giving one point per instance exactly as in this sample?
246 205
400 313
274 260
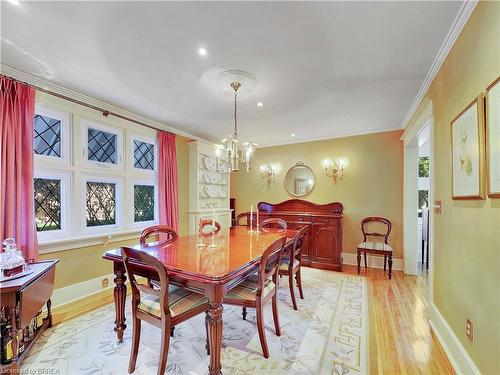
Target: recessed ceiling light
293 134
202 51
260 104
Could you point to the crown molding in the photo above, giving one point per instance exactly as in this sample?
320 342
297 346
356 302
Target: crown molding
36 81
456 28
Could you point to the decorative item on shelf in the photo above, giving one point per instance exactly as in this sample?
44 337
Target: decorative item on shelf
334 170
269 173
210 163
234 155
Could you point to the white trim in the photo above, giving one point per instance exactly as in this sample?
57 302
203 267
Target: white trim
456 28
373 261
460 360
33 80
84 289
83 242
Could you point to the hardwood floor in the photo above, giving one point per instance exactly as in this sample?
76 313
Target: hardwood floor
401 338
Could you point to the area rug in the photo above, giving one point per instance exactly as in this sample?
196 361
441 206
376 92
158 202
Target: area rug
327 335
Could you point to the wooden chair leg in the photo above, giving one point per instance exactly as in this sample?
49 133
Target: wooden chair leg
292 292
207 345
385 262
165 343
136 337
244 313
359 261
390 266
298 278
364 254
276 317
260 329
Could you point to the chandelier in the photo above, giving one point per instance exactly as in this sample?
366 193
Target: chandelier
234 155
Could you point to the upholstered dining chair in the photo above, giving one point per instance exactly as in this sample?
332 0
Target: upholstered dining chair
209 224
376 247
163 308
275 223
257 290
291 262
165 233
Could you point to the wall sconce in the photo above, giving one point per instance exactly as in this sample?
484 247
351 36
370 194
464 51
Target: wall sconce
334 170
268 173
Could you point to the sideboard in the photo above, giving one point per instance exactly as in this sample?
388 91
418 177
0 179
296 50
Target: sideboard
323 243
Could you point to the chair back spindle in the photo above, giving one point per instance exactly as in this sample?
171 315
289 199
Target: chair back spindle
269 263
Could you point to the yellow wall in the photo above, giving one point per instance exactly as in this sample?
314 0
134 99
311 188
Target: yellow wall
372 184
467 233
78 265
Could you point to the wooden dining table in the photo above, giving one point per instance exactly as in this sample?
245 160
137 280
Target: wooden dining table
209 270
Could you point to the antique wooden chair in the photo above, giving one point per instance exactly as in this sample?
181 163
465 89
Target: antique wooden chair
290 264
275 223
165 235
208 224
257 290
164 308
242 219
375 248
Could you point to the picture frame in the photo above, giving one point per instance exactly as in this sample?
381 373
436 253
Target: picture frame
468 154
492 117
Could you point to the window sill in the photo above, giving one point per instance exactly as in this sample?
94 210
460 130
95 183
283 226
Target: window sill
53 246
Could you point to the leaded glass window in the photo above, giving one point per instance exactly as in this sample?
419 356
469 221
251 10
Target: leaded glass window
144 203
423 166
144 157
47 136
47 204
102 146
101 203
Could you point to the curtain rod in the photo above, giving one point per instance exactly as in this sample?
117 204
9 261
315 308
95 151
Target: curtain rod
104 112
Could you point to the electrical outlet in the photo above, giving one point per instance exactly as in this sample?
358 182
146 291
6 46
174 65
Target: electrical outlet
469 330
104 282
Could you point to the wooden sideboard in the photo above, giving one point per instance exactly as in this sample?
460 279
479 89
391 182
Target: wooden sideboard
324 241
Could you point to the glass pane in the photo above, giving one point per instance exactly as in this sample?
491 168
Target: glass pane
47 136
47 204
144 203
102 146
423 166
101 203
144 156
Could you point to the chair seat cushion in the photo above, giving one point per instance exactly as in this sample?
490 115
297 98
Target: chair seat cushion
180 300
377 246
284 265
247 289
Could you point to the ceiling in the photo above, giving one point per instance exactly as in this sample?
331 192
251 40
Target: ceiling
323 69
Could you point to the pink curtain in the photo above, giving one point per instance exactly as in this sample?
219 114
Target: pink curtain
168 189
17 213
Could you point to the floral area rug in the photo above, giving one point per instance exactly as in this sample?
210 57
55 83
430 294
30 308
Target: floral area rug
327 335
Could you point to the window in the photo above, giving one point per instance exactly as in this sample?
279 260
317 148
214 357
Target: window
47 140
101 203
47 204
423 166
102 144
144 203
144 155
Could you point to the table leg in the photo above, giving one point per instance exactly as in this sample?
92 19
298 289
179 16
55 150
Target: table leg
120 295
214 318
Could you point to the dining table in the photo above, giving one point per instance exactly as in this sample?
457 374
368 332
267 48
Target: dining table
211 268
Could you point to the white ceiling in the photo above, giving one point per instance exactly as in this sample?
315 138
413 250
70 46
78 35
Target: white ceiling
324 69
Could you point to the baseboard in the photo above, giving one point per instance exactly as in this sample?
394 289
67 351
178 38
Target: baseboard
458 356
373 261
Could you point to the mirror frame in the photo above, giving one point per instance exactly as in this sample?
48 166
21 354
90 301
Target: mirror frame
299 164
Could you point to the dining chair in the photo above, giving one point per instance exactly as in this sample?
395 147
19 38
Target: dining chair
275 223
291 263
242 217
210 224
165 233
376 247
256 290
163 308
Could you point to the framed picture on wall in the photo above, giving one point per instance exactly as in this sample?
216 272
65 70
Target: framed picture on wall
467 146
493 138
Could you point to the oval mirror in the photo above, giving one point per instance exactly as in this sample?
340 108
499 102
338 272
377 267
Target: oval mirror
299 180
